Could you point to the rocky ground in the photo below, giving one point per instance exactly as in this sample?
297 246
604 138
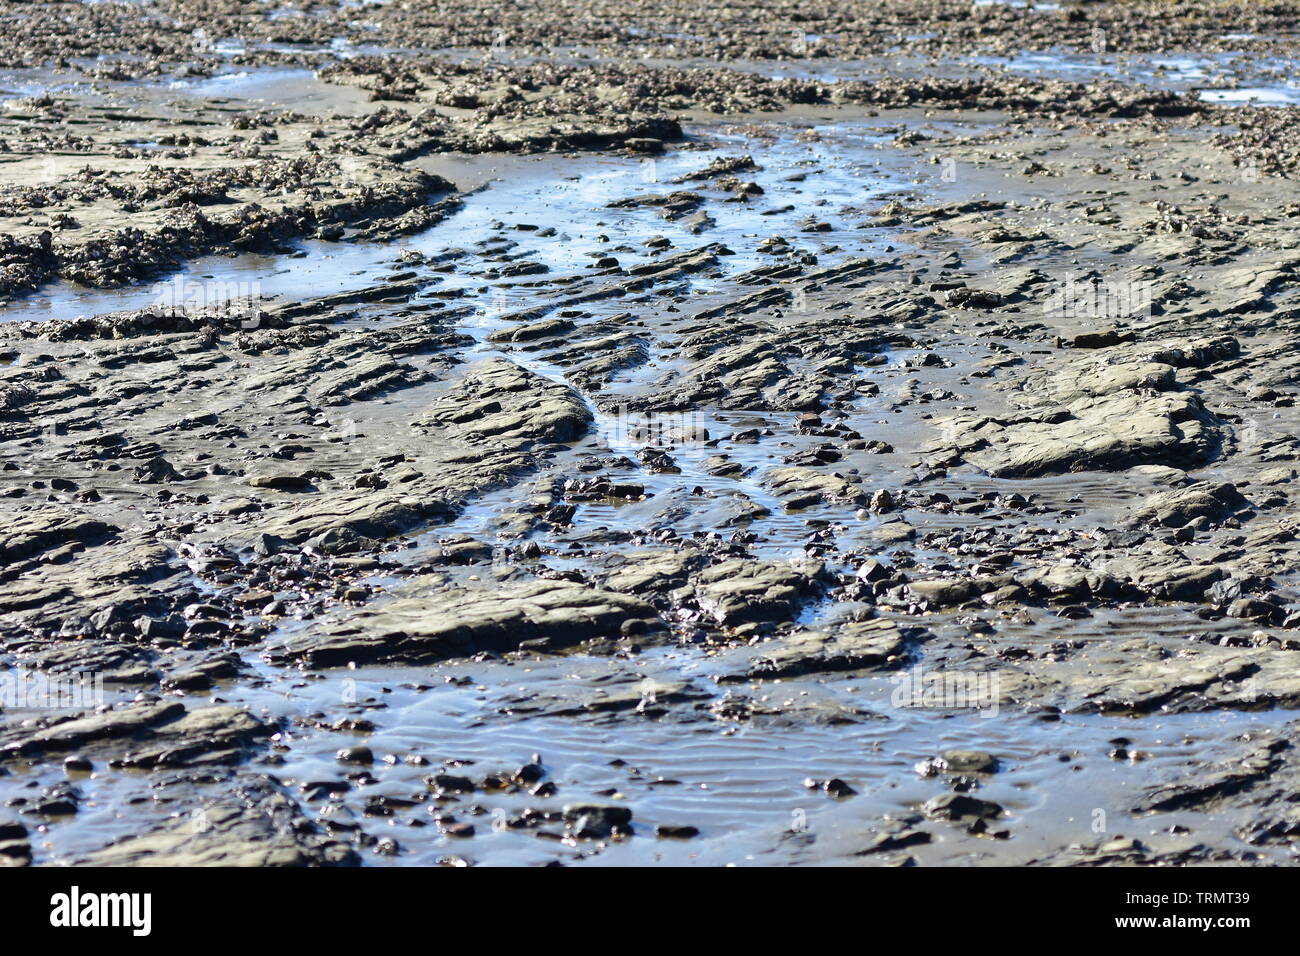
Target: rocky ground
642 433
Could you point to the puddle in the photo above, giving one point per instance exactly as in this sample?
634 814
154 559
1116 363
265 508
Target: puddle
1029 5
1259 96
1253 78
294 88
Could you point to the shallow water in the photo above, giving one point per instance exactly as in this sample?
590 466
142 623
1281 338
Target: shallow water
741 784
844 171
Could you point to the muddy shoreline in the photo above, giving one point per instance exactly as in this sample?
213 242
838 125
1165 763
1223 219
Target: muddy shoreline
698 439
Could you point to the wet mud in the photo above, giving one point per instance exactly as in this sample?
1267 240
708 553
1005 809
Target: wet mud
859 437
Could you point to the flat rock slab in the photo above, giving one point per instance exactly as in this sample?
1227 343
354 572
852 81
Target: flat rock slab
1204 499
741 591
846 647
1107 434
144 736
641 572
1142 677
804 486
503 403
256 825
1106 417
440 623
